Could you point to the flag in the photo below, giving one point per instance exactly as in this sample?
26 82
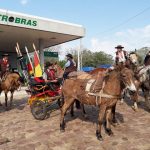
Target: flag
38 69
29 67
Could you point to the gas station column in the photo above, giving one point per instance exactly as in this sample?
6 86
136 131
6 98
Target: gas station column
41 52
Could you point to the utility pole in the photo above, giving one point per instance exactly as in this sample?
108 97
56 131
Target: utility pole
79 52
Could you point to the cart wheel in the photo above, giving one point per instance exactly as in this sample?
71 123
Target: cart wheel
38 110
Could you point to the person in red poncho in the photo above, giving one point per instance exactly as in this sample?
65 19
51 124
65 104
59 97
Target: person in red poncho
4 65
49 76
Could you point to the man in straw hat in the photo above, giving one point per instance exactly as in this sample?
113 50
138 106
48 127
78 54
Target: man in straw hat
121 55
4 65
70 66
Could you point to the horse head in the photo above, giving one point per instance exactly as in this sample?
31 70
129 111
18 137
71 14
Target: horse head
127 77
59 71
133 57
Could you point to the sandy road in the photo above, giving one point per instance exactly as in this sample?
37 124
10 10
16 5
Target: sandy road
20 131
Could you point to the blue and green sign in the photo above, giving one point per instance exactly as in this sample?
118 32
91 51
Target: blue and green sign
18 20
51 54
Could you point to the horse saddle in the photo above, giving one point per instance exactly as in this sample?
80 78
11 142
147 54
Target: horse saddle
96 83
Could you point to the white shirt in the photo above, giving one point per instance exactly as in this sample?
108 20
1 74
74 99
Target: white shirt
121 56
67 63
44 76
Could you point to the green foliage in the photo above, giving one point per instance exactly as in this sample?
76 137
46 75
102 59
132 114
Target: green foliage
94 59
100 58
89 58
61 63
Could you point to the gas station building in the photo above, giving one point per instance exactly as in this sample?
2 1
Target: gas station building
26 30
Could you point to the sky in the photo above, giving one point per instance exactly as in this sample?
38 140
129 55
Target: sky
107 22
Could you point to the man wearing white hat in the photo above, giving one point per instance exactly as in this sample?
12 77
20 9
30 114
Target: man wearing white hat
121 55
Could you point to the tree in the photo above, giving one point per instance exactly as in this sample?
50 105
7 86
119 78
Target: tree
102 58
94 59
89 58
61 63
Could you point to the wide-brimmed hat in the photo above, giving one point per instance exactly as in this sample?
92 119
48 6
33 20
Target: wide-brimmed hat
119 46
69 55
5 55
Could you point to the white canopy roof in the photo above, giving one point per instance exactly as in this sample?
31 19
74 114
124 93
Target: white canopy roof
27 29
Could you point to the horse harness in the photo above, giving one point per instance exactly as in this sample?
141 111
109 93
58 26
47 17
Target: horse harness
99 95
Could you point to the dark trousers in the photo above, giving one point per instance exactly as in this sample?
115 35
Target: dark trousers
65 75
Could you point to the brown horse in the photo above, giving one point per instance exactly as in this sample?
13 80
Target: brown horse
11 83
59 71
106 98
95 71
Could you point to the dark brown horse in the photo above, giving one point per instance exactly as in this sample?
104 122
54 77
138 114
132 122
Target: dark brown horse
11 83
144 78
105 99
132 63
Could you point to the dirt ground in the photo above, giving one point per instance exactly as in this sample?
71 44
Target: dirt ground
20 131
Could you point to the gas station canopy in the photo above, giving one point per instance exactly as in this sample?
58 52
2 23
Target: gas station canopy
27 29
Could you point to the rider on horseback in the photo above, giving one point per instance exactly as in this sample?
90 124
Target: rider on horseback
121 55
70 66
4 65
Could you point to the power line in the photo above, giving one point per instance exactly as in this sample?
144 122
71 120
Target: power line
126 21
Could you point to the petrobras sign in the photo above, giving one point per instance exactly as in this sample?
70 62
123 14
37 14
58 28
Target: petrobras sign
11 19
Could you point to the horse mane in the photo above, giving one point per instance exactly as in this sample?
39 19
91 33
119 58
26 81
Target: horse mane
132 53
110 73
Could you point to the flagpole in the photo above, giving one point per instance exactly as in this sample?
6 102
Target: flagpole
19 49
24 71
36 52
29 57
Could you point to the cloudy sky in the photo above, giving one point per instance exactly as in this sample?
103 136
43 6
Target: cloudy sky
107 22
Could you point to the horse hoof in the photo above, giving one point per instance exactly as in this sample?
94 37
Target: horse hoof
98 135
62 128
100 138
135 109
121 102
115 124
109 132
